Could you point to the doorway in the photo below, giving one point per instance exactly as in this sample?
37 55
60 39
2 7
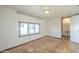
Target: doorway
65 28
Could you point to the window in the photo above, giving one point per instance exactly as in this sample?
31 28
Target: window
26 28
36 28
31 29
23 29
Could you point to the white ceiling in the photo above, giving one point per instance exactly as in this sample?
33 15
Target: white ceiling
37 10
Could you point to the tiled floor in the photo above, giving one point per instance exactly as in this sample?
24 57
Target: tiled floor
47 45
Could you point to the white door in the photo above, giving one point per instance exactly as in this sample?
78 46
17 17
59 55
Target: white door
74 29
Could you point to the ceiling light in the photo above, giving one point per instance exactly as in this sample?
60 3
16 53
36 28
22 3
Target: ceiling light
46 11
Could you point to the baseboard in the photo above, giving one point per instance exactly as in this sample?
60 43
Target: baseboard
22 44
74 42
54 37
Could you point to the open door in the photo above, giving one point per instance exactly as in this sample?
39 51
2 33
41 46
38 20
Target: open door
74 29
65 28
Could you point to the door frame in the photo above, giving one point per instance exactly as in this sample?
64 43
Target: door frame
62 25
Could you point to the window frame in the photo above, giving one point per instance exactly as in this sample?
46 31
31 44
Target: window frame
28 29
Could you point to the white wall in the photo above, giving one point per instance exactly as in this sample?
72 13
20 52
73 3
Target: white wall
54 27
9 35
74 29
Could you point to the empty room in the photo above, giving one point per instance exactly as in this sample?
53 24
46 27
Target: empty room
39 28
